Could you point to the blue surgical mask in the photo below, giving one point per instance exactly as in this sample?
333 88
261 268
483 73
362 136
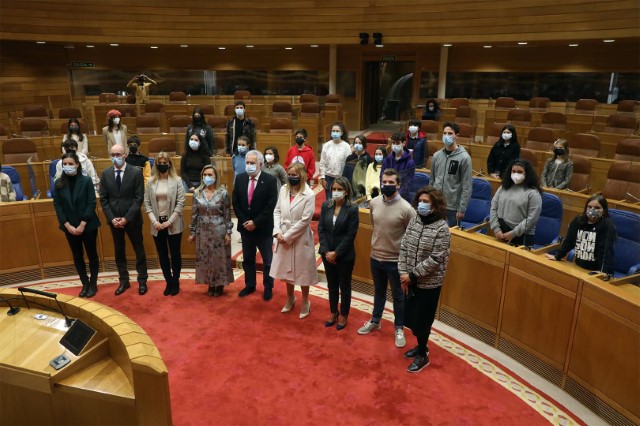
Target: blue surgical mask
335 135
117 161
447 140
194 145
70 170
242 149
240 112
397 148
357 147
209 180
251 168
424 208
379 158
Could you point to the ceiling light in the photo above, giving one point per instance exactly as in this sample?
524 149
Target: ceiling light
249 45
114 44
222 48
184 45
487 46
447 45
154 47
522 43
41 42
379 45
90 46
574 45
609 40
69 46
288 48
314 45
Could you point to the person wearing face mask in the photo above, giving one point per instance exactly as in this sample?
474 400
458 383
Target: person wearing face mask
200 127
114 133
432 110
237 160
559 168
424 255
333 157
417 143
163 201
87 168
359 161
451 174
141 84
75 203
504 151
273 167
76 134
337 229
254 198
374 171
400 160
302 153
516 205
592 235
211 228
192 162
390 216
240 125
294 257
135 158
121 197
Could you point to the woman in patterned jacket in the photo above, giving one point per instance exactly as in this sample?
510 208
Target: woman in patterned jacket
424 254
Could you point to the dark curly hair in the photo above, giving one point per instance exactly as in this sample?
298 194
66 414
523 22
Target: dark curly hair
530 176
438 202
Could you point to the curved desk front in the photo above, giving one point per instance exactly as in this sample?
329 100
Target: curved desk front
118 378
576 330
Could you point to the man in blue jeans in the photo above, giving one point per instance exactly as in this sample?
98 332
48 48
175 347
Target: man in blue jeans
390 215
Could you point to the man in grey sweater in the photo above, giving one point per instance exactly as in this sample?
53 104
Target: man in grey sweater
451 174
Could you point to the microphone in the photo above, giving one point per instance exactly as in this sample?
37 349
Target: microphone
54 296
633 196
12 309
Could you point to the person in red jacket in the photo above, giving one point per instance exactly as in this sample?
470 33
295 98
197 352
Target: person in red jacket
301 153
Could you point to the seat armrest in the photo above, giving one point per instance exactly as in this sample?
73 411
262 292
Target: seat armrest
477 227
547 249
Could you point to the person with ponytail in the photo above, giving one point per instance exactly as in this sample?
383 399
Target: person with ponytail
74 200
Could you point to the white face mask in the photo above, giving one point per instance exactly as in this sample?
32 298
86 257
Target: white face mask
396 148
506 136
517 178
70 170
337 195
194 145
413 129
240 112
269 158
116 120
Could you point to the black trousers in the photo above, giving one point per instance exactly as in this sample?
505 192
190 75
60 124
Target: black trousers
420 312
166 244
87 239
339 282
251 241
134 232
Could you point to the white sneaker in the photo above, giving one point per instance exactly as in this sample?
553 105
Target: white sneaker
368 327
400 340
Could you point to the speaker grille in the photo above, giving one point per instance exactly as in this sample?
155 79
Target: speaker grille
531 362
110 265
20 277
60 271
467 327
595 404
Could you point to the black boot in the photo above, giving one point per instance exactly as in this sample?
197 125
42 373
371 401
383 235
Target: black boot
168 289
176 287
83 292
92 289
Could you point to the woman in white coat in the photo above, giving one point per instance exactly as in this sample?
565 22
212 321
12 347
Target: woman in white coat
294 257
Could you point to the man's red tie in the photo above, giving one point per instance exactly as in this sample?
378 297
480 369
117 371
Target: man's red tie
252 188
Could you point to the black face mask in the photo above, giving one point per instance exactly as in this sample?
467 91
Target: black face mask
558 151
299 141
133 149
294 181
389 190
75 130
163 168
197 119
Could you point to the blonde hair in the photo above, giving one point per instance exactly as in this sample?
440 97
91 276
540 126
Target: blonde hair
171 171
200 187
302 172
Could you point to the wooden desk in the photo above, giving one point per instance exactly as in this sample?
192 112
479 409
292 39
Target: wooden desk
112 381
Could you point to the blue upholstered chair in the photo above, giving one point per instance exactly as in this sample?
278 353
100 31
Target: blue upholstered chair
420 179
627 248
52 178
479 206
548 226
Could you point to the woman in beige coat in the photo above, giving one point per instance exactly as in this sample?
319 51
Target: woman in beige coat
114 132
294 257
164 201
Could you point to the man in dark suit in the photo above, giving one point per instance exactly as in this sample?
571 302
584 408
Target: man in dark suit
121 195
255 195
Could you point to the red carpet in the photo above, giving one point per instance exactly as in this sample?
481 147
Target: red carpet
240 361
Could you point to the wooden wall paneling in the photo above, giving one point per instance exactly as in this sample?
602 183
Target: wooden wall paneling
19 237
478 301
52 244
607 322
282 141
539 308
362 243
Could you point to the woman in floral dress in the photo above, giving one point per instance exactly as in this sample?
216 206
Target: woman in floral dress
211 229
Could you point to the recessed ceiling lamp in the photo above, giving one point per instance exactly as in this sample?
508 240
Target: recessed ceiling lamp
222 48
154 47
114 45
184 45
90 46
487 46
447 45
41 42
288 48
314 45
522 43
574 45
249 46
608 40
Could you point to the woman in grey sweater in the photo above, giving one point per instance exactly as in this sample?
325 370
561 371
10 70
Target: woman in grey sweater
517 204
424 254
558 169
